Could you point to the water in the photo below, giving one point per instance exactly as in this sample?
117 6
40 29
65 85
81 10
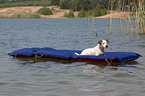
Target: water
49 78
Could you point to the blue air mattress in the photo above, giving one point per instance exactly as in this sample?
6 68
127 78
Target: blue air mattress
46 52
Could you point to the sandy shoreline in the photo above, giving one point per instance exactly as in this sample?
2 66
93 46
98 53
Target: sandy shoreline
8 12
115 15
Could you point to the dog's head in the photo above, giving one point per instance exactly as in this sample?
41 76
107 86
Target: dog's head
104 43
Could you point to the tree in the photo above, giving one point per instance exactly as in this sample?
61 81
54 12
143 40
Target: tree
64 4
55 2
97 10
85 4
75 5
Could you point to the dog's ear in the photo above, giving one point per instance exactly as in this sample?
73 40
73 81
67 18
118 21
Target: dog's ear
107 41
100 42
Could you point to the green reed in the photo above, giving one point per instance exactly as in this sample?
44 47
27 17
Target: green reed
133 22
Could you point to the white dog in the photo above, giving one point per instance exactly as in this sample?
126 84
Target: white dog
97 50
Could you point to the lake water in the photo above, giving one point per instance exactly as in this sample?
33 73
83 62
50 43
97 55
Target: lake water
49 78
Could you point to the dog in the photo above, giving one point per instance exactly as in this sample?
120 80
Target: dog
97 50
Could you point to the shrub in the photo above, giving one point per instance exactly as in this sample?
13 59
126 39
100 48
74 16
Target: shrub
103 12
81 14
90 12
69 15
45 11
65 14
86 14
97 11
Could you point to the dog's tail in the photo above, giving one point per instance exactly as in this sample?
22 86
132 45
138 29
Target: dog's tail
76 53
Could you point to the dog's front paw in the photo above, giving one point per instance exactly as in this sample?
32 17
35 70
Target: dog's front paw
101 55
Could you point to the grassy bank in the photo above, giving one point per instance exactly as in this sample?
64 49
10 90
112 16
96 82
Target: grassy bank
25 15
31 12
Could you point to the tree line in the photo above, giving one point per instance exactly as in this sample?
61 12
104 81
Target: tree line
16 3
77 5
74 5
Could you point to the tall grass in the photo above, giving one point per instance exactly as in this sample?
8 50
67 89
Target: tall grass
25 15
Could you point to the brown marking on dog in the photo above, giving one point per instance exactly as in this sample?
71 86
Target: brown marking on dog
107 41
100 42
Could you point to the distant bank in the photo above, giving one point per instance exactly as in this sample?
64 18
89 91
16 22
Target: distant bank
31 12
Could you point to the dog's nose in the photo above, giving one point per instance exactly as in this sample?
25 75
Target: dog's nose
106 46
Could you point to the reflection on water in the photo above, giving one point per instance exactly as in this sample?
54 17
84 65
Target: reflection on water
60 78
26 61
